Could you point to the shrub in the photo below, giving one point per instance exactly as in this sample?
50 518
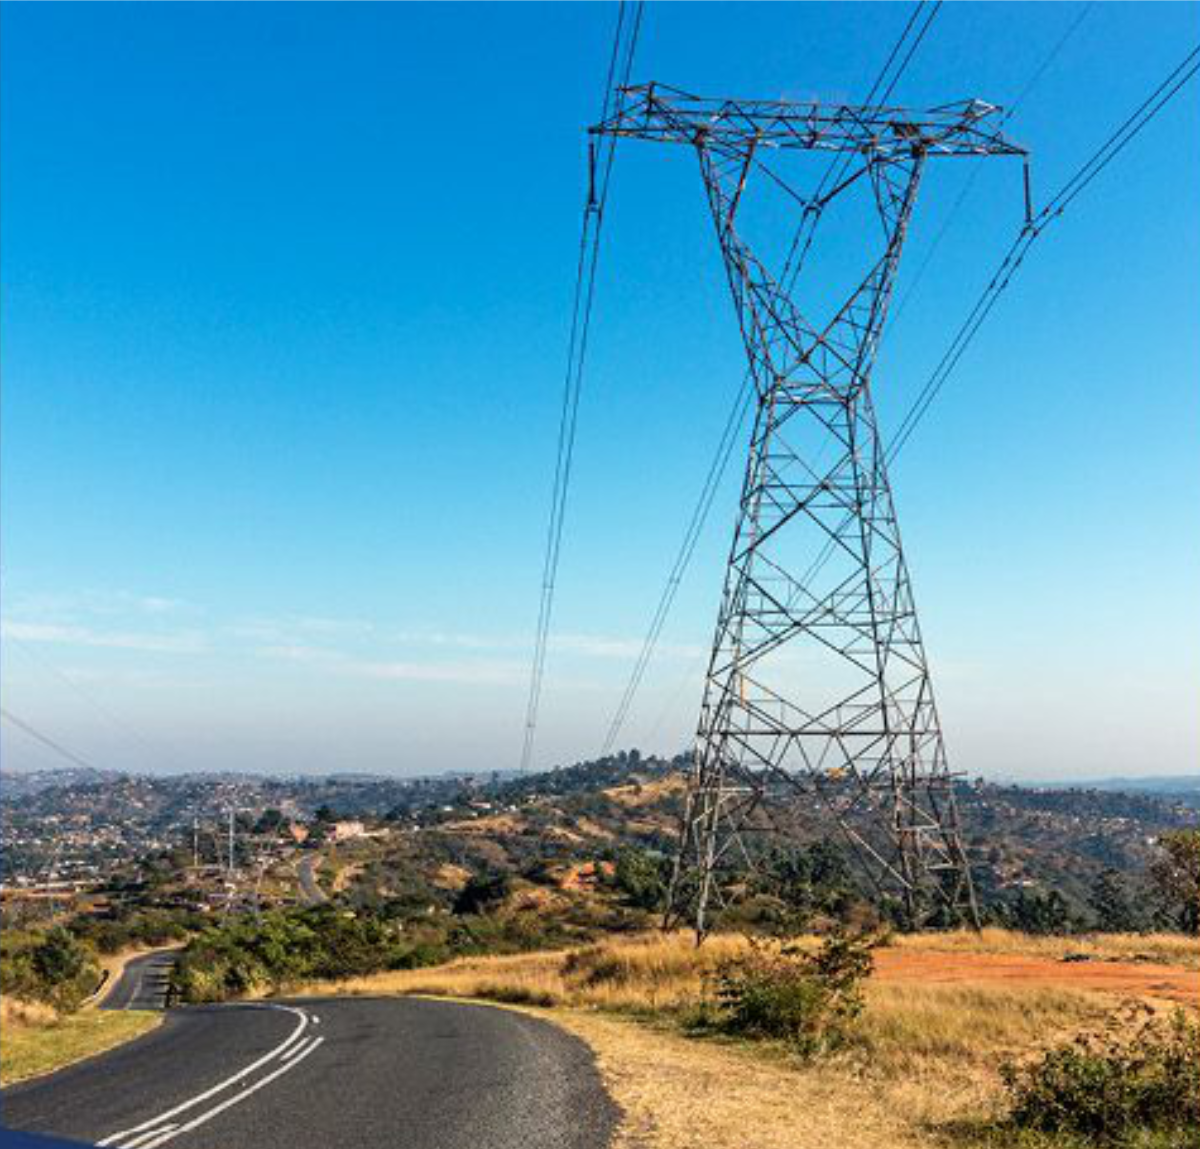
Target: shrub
1115 1086
809 1000
482 892
640 878
284 949
53 968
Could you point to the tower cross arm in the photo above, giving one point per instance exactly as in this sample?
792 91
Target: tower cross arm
667 115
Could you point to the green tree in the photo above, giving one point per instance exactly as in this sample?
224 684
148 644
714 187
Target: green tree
270 822
1111 905
1176 876
638 875
60 957
481 893
1035 913
63 968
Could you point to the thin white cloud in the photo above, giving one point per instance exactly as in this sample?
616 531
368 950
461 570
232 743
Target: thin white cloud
605 646
284 629
185 642
474 672
63 607
479 673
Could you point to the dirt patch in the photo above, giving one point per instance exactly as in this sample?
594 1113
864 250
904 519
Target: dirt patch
451 877
1126 979
645 793
503 825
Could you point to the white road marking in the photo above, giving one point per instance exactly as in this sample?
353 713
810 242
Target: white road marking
196 1122
141 1139
156 1122
297 1048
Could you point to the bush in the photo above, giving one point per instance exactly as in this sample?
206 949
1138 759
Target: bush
641 879
53 968
482 892
808 1000
1116 1086
284 949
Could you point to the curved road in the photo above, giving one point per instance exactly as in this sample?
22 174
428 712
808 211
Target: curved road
333 1073
143 982
310 890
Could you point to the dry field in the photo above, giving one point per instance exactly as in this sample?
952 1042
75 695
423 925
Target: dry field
943 1013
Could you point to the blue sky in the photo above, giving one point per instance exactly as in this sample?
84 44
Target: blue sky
285 300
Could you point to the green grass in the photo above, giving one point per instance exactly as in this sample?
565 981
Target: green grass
31 1049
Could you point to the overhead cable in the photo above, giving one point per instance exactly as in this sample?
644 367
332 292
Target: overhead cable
46 740
625 38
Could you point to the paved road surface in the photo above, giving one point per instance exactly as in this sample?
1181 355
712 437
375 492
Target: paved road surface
310 890
143 983
337 1073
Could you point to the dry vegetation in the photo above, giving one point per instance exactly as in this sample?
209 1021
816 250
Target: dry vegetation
924 1060
36 1040
1165 949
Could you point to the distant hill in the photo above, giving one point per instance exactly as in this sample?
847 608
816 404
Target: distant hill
15 784
1185 787
431 832
1166 784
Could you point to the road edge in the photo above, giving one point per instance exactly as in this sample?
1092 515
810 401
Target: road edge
114 1019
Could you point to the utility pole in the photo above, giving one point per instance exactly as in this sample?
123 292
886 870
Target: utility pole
232 859
818 702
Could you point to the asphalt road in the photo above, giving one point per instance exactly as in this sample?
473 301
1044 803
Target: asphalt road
143 983
310 890
334 1073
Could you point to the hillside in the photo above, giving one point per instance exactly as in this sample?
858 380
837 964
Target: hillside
414 842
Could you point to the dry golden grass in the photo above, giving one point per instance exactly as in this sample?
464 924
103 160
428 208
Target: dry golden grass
656 972
924 1061
35 1040
659 1078
1165 949
645 973
925 1056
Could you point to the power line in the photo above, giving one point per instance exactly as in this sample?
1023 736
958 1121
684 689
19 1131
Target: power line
46 740
113 720
1032 231
1015 256
1033 81
806 231
627 32
733 424
691 536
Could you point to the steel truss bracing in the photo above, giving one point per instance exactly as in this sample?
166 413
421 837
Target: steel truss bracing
818 699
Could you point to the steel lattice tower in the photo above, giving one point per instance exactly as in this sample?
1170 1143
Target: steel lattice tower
818 697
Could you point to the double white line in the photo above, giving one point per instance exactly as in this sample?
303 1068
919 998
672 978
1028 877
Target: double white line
163 1128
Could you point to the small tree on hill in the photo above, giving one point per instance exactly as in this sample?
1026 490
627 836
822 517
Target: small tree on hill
1034 913
1176 876
639 876
1111 905
481 893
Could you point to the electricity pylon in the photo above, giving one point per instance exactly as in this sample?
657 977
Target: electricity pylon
818 699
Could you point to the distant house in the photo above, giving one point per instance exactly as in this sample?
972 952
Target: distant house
298 832
344 831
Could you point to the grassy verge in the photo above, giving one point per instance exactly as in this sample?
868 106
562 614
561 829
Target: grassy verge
34 1040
